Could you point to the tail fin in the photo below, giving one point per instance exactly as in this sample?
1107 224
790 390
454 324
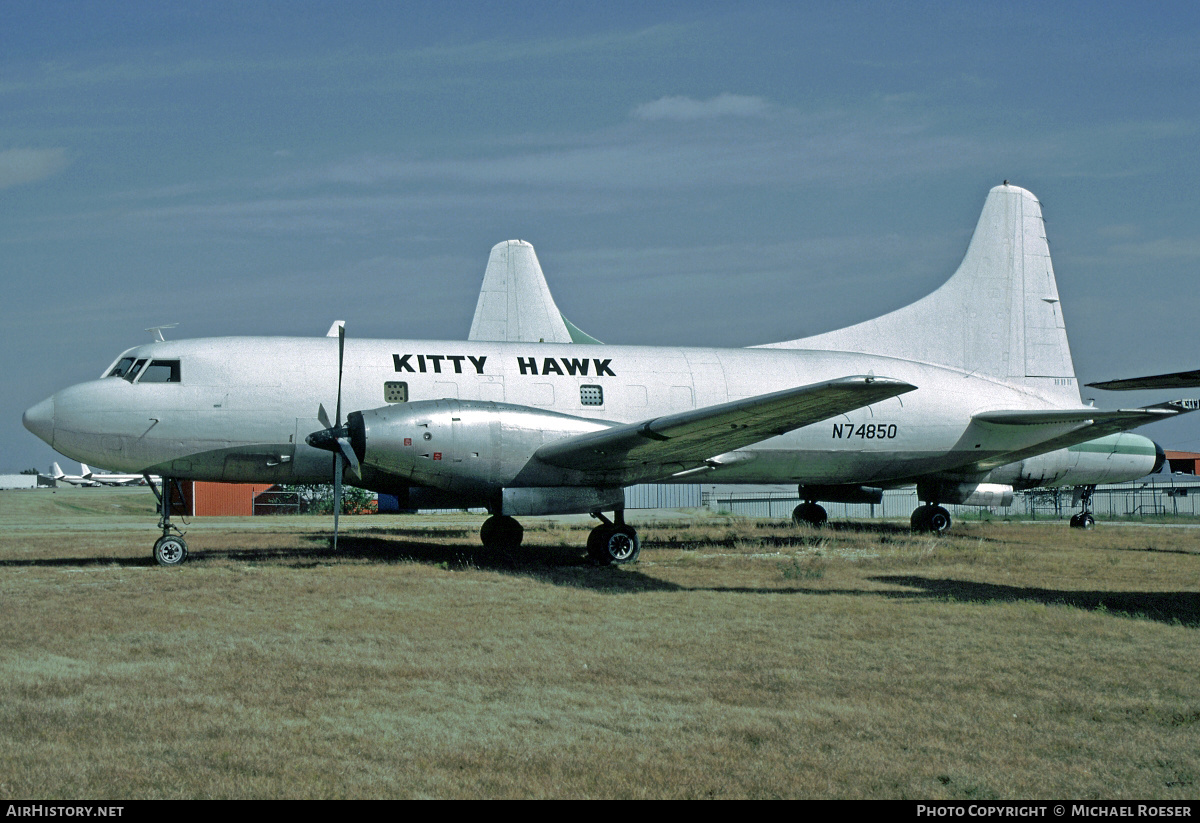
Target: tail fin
998 316
515 304
84 471
55 471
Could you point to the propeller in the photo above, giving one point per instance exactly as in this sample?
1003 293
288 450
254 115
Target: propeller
336 438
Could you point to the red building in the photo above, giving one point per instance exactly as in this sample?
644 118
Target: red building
206 499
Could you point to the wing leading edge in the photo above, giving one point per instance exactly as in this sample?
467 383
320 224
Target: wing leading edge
667 445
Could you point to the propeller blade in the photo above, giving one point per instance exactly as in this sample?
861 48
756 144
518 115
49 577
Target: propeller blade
323 416
341 359
337 496
351 457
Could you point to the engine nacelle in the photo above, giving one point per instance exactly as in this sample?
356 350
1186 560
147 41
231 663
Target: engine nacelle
1113 459
965 494
463 446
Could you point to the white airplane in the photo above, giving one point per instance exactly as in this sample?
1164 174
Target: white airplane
117 479
74 479
968 393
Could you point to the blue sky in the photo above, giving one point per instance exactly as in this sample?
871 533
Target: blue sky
690 173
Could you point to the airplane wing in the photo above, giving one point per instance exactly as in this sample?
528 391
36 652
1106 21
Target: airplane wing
1089 424
667 445
1177 380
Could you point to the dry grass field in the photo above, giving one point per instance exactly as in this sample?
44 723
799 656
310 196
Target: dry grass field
738 659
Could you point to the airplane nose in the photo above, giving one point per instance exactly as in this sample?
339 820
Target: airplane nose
39 419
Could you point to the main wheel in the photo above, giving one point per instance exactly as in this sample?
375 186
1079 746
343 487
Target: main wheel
811 514
1083 520
609 543
920 519
939 520
170 551
501 532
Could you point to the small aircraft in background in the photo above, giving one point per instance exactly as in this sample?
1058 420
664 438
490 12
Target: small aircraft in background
115 479
88 477
74 479
968 394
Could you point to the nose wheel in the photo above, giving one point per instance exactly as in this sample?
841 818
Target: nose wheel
170 550
1084 519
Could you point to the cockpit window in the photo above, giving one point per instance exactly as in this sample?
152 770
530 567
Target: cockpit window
122 368
161 371
132 374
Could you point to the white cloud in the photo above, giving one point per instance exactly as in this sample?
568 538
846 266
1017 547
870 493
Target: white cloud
687 108
19 166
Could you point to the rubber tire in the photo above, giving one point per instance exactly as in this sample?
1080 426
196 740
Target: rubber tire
939 520
170 551
501 532
920 519
1083 521
614 545
810 514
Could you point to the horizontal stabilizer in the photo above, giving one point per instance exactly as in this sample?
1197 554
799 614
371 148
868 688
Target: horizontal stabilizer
1177 380
666 445
1059 417
1087 424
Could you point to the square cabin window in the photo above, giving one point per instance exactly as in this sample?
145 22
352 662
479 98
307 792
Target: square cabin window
591 395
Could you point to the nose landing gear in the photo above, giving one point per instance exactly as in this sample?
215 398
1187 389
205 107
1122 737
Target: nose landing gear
171 548
1084 519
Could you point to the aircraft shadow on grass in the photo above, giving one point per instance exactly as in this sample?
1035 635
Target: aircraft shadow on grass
1165 607
565 565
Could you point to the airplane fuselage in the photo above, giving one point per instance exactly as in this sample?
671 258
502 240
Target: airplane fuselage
239 409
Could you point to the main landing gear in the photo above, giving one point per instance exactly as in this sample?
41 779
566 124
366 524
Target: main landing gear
930 518
609 543
1084 519
170 549
613 542
810 513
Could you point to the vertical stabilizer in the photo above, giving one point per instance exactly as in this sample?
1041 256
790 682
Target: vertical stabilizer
998 316
515 303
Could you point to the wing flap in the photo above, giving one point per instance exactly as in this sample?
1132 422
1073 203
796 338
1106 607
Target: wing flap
674 442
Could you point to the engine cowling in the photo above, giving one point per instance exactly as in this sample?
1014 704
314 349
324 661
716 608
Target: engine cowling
1112 459
464 446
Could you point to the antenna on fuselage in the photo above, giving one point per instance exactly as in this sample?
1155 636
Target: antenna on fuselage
157 331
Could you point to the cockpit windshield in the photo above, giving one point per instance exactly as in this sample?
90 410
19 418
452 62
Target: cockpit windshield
135 370
132 374
122 368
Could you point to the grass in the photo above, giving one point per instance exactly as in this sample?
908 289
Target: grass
737 659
